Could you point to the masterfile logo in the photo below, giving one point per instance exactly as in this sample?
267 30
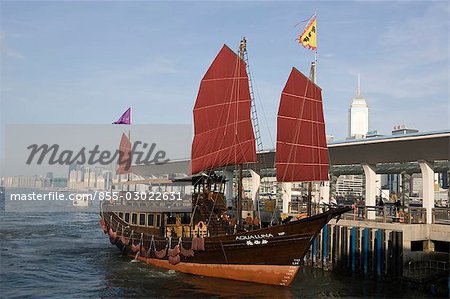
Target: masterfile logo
142 152
38 149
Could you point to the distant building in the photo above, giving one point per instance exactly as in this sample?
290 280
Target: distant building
373 133
59 182
444 180
72 166
107 175
358 127
402 129
24 182
100 182
394 181
75 179
416 185
350 185
48 179
90 178
358 116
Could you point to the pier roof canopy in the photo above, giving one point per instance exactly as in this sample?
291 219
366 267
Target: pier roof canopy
431 146
392 150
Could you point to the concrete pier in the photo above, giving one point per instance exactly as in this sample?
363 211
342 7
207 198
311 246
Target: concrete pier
376 249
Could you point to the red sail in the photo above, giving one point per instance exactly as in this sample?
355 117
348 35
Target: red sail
302 153
124 156
222 124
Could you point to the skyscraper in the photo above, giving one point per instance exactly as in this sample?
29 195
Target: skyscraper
358 127
358 115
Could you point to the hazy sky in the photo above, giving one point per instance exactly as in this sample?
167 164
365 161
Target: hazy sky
86 62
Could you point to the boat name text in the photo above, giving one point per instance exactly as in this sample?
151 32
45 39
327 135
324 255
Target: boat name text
253 237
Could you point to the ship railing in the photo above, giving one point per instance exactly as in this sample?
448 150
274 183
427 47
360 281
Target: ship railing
296 207
387 214
441 215
316 208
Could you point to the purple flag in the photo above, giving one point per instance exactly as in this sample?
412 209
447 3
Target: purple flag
125 119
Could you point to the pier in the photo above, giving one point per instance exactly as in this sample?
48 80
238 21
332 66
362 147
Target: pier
412 251
373 241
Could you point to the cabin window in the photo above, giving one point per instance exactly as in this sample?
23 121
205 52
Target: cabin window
121 215
142 219
172 219
158 220
185 218
133 218
127 217
150 219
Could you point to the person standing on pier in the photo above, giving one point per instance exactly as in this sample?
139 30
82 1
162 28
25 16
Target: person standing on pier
380 204
249 222
333 201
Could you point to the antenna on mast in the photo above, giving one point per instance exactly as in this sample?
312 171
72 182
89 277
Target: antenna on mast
358 88
242 47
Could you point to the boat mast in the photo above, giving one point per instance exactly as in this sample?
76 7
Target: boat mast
313 78
239 197
242 50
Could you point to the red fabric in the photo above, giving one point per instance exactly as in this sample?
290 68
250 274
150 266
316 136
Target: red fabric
160 254
174 252
135 248
302 153
222 124
124 156
124 240
174 259
103 225
112 233
186 252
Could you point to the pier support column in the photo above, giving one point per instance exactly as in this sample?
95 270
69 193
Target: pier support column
256 181
286 192
229 187
428 188
371 188
324 192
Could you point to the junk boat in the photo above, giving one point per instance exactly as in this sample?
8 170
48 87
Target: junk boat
200 242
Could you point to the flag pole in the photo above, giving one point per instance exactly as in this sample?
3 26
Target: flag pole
314 79
129 139
129 171
315 54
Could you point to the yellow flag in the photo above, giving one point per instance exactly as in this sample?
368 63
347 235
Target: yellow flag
308 38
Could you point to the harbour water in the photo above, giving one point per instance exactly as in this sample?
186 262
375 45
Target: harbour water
65 254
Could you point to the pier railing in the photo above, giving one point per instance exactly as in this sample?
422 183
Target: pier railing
423 270
441 215
386 214
389 214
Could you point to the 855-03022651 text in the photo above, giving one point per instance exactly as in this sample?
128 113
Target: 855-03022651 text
98 195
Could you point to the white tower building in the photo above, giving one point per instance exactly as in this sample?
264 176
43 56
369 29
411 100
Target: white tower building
358 124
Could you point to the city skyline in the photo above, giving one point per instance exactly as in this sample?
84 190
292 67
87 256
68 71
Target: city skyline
101 59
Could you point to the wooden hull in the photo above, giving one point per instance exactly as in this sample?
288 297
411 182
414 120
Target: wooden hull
270 255
266 274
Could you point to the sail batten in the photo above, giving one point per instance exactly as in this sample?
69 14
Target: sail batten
222 124
302 153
